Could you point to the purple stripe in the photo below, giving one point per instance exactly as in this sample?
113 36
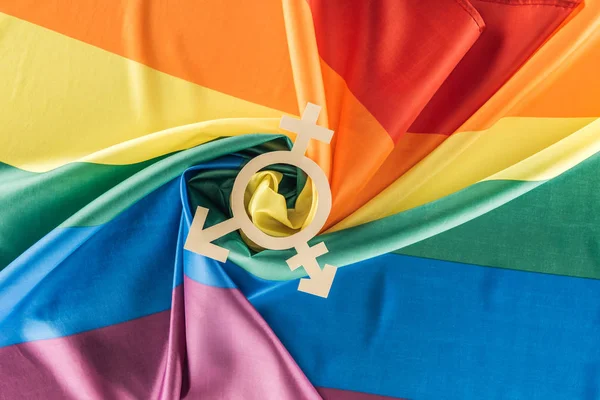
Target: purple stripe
214 346
232 352
124 361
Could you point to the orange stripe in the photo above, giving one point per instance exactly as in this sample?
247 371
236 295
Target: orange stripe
216 44
306 70
410 149
360 144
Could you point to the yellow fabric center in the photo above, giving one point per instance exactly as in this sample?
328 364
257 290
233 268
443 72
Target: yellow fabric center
268 209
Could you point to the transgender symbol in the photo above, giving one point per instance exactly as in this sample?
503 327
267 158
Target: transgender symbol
199 239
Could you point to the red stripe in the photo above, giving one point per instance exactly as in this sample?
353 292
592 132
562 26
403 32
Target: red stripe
404 60
514 30
392 54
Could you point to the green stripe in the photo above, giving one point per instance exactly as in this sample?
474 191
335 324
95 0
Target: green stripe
88 194
388 234
118 198
554 229
32 204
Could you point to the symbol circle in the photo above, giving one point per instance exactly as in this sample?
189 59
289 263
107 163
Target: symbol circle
281 157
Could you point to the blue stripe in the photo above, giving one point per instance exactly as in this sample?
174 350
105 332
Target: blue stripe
82 278
205 270
199 268
392 325
428 329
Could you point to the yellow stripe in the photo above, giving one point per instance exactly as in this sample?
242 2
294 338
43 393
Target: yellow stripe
181 138
64 100
516 148
557 158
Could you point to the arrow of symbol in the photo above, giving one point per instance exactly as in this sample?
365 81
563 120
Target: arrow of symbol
320 279
199 241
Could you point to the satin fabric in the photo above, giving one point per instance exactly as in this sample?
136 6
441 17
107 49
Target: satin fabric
464 225
193 305
348 113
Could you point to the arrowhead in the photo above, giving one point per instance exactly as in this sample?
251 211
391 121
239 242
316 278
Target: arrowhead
320 280
199 239
320 283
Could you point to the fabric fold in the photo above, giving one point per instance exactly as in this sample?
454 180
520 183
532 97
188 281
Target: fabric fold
463 172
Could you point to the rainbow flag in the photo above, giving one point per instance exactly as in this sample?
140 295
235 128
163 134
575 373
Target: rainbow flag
464 171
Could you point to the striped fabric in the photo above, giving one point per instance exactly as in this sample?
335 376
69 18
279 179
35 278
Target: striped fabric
464 174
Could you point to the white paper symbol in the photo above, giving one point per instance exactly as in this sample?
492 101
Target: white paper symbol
199 240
